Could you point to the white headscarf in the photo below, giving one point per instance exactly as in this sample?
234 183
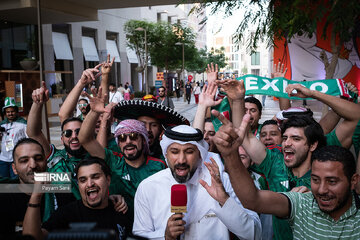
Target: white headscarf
185 132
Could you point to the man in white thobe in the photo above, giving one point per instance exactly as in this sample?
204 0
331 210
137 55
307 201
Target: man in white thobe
212 207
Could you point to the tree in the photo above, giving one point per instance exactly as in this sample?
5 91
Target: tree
136 41
164 51
275 20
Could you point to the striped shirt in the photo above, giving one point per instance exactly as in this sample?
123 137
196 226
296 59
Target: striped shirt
309 222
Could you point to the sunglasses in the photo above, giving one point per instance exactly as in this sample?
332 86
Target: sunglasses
68 133
82 105
132 136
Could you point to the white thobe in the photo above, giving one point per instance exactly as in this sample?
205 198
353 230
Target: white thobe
205 218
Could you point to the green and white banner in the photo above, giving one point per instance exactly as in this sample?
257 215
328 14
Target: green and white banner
276 86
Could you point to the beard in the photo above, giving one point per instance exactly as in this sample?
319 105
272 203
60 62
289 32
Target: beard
135 156
182 179
341 202
78 153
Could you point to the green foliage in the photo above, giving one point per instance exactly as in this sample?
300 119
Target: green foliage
275 19
161 43
164 52
202 58
136 39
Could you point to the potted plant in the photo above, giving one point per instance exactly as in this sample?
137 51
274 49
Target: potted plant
30 62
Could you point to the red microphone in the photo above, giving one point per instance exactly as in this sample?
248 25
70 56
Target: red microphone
178 198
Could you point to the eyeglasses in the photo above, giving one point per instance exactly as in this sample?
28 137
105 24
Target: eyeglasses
68 133
133 136
82 105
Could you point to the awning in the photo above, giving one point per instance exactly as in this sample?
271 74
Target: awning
132 58
62 46
112 50
89 49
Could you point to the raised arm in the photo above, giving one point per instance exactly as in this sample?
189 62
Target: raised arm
206 100
39 96
87 130
253 146
105 124
235 91
67 108
105 71
345 109
331 119
228 140
280 71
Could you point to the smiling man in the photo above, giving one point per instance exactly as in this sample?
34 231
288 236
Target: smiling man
212 210
330 211
130 166
13 128
254 108
58 160
95 206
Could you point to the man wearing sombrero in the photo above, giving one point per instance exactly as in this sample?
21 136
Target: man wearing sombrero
155 116
13 128
130 166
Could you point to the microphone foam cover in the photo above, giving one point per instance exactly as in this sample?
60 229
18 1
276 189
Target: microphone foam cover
178 198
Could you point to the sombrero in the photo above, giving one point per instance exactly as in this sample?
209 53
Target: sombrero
132 109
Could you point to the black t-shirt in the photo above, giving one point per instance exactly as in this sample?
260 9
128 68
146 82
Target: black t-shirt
106 218
12 210
188 88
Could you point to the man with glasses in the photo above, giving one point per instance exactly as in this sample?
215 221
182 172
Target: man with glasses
163 99
63 160
84 108
130 166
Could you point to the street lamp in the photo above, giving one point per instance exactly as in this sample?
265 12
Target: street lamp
146 59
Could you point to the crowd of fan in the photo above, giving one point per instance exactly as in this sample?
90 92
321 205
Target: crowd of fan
288 178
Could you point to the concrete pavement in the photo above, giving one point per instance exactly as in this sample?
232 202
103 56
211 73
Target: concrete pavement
189 111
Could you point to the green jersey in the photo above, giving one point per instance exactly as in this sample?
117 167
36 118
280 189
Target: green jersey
281 179
59 161
125 179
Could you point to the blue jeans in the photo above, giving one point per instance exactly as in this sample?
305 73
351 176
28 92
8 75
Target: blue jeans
6 170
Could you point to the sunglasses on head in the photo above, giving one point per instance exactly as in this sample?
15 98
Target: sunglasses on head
133 136
82 105
68 133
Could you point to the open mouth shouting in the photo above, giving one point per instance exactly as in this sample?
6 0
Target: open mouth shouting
289 154
92 193
182 169
130 149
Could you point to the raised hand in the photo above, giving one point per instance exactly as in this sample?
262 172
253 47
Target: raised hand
40 95
106 66
298 90
278 70
216 190
107 115
234 89
89 75
97 102
228 139
212 72
207 95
